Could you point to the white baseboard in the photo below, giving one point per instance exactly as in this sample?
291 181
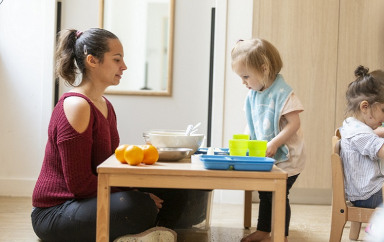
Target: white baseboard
12 187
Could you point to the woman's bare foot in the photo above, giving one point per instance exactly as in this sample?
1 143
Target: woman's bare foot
256 236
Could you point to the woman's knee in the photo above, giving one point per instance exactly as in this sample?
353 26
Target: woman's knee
133 207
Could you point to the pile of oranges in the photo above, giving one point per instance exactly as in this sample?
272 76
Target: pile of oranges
136 154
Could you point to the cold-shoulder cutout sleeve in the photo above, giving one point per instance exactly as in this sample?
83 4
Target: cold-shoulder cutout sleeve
77 111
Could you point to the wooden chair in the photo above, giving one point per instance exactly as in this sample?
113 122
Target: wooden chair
342 210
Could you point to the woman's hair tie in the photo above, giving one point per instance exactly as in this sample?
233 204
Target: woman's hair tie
78 34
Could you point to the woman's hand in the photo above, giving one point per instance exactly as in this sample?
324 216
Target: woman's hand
158 201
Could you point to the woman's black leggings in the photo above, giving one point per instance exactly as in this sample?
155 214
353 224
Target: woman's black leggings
131 212
265 208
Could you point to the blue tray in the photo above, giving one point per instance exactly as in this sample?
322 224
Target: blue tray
240 163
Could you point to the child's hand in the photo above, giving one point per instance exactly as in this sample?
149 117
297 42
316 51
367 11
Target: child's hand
285 134
271 149
379 131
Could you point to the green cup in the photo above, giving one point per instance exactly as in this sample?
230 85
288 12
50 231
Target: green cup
238 147
257 148
241 136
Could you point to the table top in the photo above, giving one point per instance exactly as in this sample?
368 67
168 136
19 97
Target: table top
184 168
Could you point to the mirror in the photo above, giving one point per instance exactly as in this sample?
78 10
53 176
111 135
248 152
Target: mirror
145 29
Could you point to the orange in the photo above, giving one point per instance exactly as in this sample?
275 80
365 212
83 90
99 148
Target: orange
133 155
119 153
151 155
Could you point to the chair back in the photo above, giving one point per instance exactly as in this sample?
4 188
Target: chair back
341 210
338 192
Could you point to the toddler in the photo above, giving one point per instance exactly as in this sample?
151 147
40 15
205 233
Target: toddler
362 148
272 112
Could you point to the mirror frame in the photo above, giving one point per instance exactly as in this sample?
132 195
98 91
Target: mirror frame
168 92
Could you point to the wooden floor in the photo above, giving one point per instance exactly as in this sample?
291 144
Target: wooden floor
309 223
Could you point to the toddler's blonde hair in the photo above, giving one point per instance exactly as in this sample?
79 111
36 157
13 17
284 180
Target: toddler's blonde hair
255 53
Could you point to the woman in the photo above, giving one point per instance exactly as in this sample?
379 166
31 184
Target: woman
83 133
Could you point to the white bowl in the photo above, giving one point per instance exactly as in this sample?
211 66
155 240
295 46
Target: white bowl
174 139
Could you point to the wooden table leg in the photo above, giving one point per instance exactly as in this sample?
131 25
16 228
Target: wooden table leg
103 208
247 209
278 211
209 210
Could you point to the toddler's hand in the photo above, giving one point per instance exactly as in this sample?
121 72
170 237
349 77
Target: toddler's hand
379 131
271 149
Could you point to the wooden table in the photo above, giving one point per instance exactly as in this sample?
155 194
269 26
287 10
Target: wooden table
184 174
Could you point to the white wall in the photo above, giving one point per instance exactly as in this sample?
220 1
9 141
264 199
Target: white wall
27 32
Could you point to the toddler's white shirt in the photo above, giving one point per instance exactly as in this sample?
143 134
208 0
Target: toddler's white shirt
359 146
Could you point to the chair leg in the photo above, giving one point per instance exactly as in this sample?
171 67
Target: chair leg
337 227
247 209
354 231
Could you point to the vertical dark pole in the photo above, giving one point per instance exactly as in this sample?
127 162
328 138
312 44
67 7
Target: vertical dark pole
58 28
210 90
